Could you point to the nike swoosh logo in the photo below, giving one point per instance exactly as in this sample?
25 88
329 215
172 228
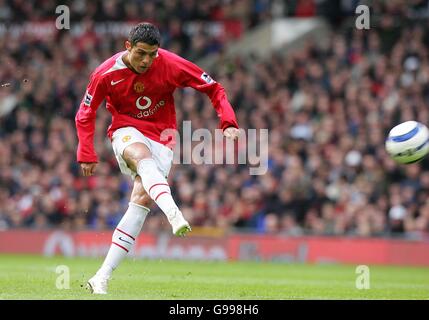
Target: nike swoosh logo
116 82
120 238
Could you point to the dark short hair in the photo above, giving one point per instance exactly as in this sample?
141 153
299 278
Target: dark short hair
145 32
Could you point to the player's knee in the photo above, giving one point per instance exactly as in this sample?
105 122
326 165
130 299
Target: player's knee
134 153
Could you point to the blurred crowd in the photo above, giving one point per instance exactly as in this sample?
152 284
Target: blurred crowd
328 110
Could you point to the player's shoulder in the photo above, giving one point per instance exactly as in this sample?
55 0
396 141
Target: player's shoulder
111 64
170 57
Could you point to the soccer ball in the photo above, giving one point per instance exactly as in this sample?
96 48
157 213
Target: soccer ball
408 142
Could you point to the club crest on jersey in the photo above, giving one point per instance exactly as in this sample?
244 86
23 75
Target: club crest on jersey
126 138
88 99
138 87
207 78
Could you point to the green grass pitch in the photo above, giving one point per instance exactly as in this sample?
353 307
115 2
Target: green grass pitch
33 277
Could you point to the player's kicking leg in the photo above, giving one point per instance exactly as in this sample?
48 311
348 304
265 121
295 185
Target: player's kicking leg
139 159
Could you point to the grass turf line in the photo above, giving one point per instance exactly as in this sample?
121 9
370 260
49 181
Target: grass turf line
35 277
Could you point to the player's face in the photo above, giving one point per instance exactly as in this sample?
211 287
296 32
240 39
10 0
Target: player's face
141 55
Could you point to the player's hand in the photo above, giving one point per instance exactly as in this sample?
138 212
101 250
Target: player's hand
88 168
231 133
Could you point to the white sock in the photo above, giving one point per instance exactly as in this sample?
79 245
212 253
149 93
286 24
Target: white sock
124 237
156 185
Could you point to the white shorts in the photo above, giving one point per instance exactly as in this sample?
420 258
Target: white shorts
123 137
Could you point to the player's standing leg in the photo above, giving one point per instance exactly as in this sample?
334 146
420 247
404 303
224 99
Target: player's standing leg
123 237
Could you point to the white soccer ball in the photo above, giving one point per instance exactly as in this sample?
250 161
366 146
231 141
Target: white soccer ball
408 142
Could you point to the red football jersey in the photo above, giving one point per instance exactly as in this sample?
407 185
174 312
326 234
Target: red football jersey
144 101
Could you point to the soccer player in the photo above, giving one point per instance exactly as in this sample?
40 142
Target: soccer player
138 86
